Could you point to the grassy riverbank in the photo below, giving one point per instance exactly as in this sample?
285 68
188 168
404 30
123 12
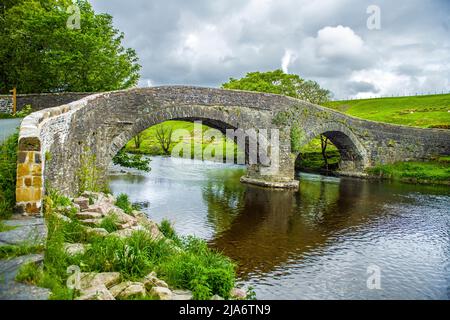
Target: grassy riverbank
433 172
182 262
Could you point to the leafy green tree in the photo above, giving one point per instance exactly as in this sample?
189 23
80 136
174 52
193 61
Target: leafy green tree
279 82
39 53
289 85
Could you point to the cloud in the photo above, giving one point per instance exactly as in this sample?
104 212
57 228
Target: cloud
207 42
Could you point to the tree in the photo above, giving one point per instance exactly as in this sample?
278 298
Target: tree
289 85
164 137
39 53
138 140
279 82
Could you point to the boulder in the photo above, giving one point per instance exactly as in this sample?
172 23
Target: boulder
151 281
82 202
92 222
217 297
128 289
88 215
99 292
182 295
96 232
91 279
161 293
238 294
72 249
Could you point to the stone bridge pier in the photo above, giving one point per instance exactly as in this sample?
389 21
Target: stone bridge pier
52 142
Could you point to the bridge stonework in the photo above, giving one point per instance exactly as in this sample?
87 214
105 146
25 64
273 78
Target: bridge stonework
52 141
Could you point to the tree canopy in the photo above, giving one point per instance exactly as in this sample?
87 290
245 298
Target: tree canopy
279 82
40 53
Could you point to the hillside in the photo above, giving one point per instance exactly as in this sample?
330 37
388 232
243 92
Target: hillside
430 111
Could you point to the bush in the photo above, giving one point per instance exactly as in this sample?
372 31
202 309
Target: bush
109 223
8 167
123 202
136 161
30 273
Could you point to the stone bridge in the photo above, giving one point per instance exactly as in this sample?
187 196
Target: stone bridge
51 141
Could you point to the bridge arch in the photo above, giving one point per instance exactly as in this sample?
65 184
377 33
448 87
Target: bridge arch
354 156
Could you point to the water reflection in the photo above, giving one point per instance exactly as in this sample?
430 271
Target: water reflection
314 243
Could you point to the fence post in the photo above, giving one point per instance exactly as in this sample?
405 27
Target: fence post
14 92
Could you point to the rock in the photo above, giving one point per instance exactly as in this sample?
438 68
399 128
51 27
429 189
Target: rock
138 214
126 233
151 227
128 289
102 208
182 295
92 222
72 249
151 281
97 232
88 215
99 292
92 279
217 297
161 293
125 219
82 202
238 294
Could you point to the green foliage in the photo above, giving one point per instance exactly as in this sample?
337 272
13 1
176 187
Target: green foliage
313 161
167 230
200 269
12 251
123 202
109 223
4 227
91 177
39 53
26 110
429 111
296 139
279 82
8 167
136 161
30 273
437 171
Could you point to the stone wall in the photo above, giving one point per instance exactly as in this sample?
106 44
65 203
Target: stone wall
52 141
6 104
39 101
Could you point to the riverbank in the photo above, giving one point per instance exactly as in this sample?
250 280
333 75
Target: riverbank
118 253
432 172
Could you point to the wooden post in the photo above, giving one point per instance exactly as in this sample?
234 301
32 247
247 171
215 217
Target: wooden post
14 92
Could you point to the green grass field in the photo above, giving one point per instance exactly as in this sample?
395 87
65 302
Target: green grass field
151 146
432 111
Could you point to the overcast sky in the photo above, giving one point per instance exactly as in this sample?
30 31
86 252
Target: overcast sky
205 42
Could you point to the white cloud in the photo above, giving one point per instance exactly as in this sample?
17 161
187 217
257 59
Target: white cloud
288 58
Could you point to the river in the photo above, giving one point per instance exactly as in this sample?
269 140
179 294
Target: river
8 127
323 242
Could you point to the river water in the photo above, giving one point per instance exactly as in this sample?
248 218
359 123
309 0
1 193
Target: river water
8 127
326 241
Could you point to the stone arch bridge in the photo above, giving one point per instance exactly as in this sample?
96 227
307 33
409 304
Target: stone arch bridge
51 141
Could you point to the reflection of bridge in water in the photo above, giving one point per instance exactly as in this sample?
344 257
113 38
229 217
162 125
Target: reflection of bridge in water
274 228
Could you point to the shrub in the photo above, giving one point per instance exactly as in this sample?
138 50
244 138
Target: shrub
8 167
109 223
124 203
30 273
